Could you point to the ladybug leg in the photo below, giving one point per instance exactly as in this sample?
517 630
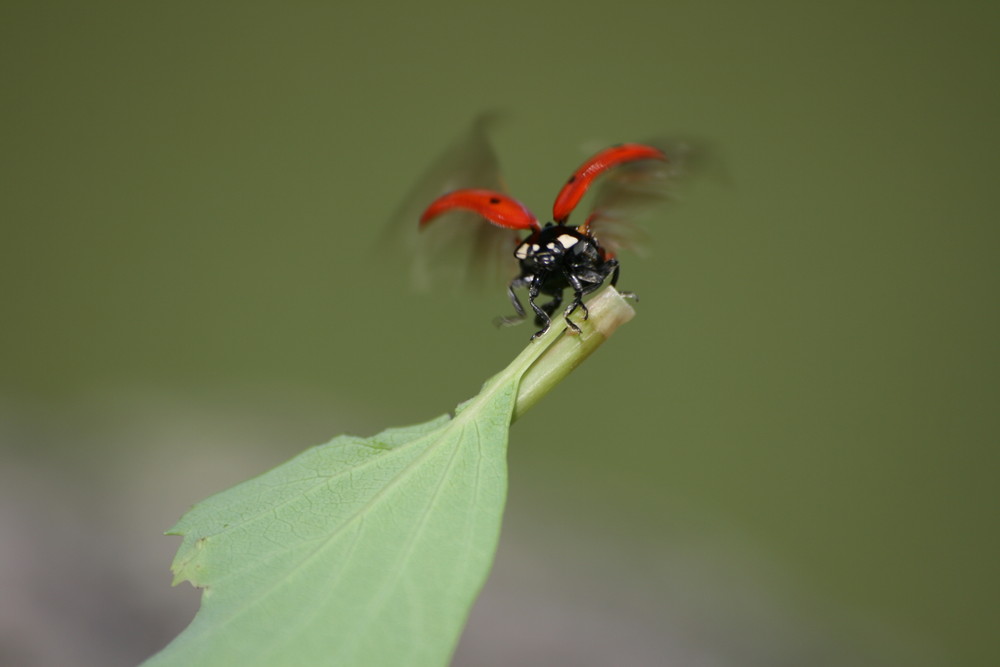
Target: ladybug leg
577 303
612 266
550 307
585 281
579 289
614 269
541 315
518 307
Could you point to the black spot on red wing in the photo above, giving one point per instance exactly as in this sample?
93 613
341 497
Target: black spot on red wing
494 200
571 178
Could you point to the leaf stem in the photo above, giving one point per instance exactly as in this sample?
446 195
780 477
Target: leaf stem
565 351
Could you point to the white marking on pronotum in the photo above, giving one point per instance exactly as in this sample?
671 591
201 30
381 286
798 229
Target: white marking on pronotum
567 241
526 249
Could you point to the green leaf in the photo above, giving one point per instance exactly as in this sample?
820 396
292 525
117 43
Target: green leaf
366 551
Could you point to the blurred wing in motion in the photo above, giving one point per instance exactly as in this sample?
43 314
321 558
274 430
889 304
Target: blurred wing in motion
460 248
631 191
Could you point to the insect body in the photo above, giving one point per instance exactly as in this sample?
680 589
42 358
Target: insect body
553 259
557 256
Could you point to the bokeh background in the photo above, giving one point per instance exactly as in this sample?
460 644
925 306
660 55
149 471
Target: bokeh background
787 458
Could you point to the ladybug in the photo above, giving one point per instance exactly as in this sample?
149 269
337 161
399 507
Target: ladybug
559 256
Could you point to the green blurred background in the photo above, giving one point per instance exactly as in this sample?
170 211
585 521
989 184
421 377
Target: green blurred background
787 458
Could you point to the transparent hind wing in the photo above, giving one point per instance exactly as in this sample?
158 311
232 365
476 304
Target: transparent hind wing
631 192
460 249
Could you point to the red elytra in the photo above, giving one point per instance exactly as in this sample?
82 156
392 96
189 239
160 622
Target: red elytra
577 185
506 211
498 208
